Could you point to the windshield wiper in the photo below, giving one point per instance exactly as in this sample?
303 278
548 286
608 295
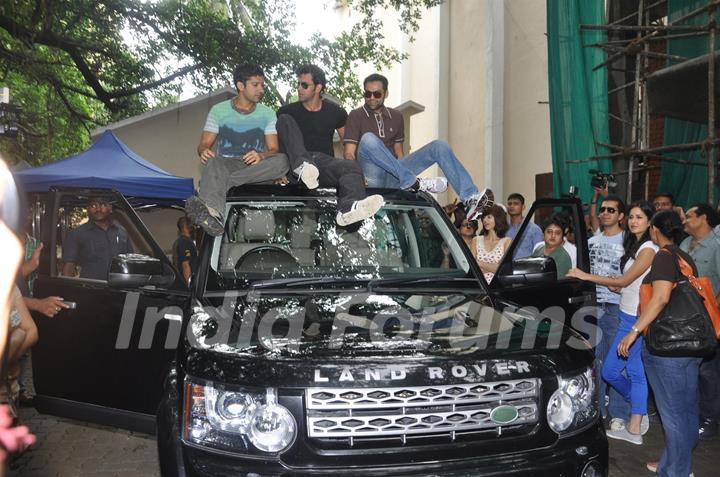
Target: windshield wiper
304 282
404 282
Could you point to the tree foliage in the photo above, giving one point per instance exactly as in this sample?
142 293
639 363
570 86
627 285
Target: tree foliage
75 64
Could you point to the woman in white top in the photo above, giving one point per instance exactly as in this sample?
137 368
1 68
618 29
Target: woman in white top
490 246
639 254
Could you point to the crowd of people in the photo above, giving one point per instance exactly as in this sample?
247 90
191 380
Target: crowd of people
629 247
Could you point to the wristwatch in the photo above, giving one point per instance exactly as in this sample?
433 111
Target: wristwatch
637 331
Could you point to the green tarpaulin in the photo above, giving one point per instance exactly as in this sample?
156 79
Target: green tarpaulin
578 95
687 183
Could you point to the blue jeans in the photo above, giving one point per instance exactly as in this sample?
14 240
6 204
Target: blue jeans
674 382
608 322
382 169
632 387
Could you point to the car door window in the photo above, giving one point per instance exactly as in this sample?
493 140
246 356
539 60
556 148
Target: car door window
549 232
90 230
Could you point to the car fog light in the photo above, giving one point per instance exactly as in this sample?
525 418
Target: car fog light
560 414
272 428
592 469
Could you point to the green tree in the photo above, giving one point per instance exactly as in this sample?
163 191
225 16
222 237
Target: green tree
71 67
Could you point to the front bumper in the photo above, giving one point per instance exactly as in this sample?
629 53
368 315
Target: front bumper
562 459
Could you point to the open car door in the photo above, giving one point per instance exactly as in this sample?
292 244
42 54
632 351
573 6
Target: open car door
103 360
535 282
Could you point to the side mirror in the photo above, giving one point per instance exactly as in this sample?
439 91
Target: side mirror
525 271
130 270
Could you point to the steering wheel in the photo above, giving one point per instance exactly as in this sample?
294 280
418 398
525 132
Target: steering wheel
266 257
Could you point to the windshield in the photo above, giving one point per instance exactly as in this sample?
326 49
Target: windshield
299 239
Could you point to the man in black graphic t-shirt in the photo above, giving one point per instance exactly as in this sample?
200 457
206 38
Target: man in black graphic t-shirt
305 131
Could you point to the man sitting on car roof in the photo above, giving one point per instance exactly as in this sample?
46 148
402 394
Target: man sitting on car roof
247 149
309 125
374 135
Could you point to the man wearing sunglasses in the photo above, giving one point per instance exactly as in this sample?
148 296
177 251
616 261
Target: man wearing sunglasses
374 135
305 131
606 252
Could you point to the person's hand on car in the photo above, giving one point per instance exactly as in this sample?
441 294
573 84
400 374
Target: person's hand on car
51 306
577 273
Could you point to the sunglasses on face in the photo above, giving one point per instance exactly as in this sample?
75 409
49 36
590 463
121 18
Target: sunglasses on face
374 94
304 85
609 210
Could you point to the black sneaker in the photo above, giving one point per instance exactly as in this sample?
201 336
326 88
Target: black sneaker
708 429
478 203
201 216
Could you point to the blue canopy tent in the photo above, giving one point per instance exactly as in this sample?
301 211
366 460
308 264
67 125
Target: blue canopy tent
107 164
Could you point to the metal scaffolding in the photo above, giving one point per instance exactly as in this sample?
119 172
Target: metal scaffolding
643 27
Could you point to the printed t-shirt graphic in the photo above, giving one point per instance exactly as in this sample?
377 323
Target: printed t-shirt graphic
605 254
238 133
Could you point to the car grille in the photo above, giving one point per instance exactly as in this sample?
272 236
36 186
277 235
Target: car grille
418 410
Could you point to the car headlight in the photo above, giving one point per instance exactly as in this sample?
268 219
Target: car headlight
573 407
237 420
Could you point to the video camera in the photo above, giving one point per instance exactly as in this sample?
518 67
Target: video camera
602 180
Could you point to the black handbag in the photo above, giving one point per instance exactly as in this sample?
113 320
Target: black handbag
683 327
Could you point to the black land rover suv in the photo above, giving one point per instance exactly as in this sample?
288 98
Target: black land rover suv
303 348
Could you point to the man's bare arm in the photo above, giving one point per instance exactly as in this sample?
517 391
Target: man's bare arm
272 146
398 149
186 271
341 133
204 149
349 151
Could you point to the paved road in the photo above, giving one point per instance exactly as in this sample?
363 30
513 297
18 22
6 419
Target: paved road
68 448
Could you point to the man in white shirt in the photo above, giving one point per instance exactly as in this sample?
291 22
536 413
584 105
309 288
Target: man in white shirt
606 251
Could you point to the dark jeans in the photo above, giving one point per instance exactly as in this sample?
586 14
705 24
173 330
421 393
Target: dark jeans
674 382
345 176
710 387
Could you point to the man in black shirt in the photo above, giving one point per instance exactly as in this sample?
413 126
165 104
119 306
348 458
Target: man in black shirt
184 251
305 131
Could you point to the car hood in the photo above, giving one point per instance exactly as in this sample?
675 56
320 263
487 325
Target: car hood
394 338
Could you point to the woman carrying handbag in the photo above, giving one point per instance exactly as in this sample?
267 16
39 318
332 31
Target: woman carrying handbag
672 360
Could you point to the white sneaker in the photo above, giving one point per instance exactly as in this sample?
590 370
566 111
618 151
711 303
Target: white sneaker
475 205
308 174
624 435
616 424
434 185
361 210
644 424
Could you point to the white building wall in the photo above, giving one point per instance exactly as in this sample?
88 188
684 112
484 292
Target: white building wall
480 69
527 115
